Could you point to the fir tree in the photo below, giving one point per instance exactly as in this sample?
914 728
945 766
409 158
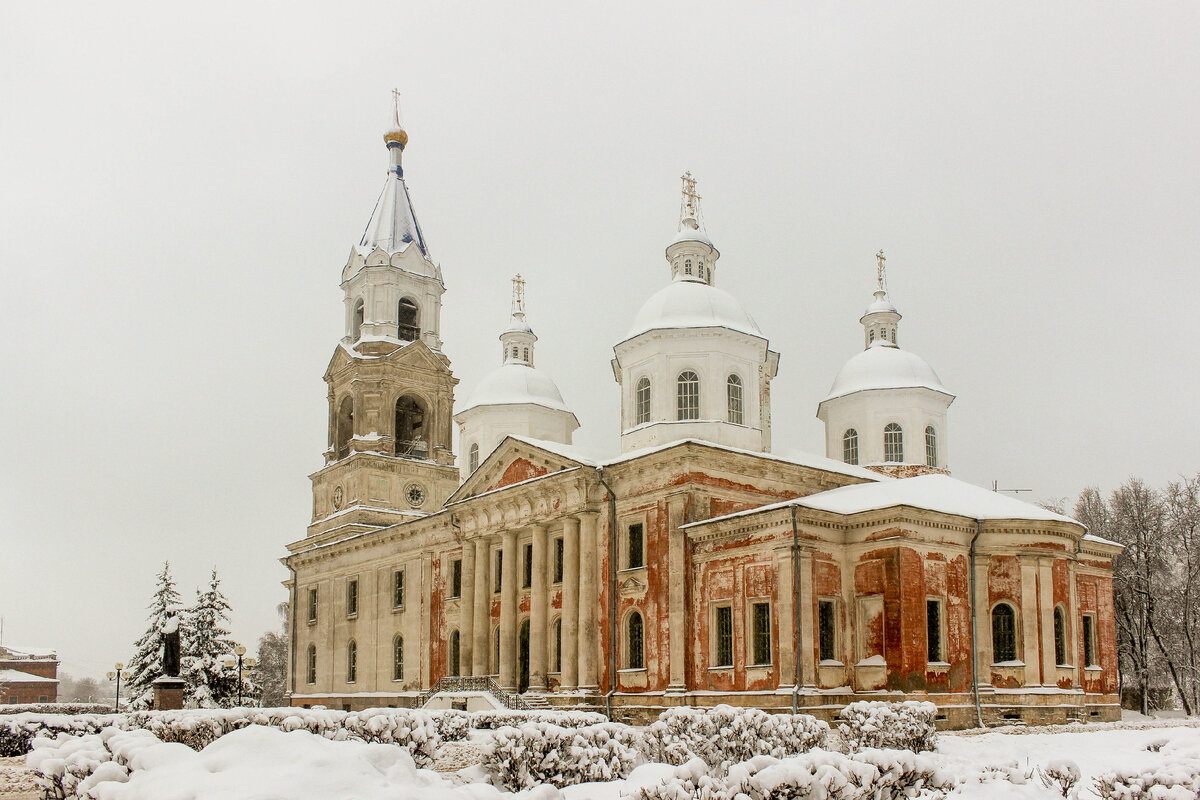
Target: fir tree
147 661
205 640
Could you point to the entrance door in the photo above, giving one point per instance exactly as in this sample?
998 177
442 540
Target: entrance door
523 658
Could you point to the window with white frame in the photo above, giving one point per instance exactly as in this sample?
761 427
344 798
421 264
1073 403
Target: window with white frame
398 658
352 598
850 446
398 589
931 453
934 650
642 402
722 655
1004 633
760 633
687 396
351 662
733 387
893 443
635 548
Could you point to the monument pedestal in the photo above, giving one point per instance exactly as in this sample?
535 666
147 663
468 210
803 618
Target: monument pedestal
168 693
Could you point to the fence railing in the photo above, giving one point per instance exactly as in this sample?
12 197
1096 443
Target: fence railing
474 683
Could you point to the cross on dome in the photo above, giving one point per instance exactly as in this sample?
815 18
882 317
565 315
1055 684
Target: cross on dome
518 297
880 277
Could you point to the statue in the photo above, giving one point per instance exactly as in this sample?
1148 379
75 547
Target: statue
170 632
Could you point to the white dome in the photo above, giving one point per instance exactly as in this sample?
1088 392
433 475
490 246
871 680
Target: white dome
692 235
515 384
884 366
692 304
881 304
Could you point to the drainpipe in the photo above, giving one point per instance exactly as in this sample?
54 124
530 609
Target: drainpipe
795 612
612 594
974 631
291 633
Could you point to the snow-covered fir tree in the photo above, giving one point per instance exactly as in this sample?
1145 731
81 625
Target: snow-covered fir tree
205 638
147 661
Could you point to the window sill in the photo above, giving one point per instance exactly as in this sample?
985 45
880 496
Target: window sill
352 616
722 668
312 622
1008 664
453 596
1093 668
937 666
830 662
623 570
397 609
1064 666
767 665
628 670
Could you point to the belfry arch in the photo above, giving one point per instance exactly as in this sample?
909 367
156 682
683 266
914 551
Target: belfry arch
408 327
344 427
412 427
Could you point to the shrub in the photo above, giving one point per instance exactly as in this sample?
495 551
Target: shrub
491 720
725 735
18 732
1175 780
900 726
56 708
539 752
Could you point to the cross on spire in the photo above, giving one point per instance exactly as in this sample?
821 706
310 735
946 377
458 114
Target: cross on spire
691 201
396 104
880 276
518 296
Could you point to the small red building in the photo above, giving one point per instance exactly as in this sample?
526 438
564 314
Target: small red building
28 675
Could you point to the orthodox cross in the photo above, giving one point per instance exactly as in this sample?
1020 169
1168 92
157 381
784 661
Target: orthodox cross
518 298
396 104
691 200
879 275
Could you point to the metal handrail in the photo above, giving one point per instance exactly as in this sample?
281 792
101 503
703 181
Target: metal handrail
474 683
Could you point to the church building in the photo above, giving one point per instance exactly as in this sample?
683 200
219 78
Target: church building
694 567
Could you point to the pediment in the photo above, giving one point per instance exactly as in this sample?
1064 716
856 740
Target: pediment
411 354
631 587
513 461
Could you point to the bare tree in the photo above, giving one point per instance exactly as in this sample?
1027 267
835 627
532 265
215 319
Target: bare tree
272 662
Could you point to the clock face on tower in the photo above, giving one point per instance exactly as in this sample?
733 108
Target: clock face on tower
414 493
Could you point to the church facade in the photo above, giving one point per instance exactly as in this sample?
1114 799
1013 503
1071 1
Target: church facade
693 568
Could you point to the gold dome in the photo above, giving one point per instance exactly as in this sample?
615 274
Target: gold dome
399 136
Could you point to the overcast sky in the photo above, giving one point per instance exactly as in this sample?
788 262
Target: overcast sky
182 184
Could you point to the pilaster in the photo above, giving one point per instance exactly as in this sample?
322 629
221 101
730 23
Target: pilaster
570 604
589 601
482 623
538 612
466 610
508 611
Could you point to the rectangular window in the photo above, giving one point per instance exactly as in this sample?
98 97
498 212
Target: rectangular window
398 589
352 598
760 614
933 630
499 571
637 553
312 604
558 560
723 640
527 567
1089 640
827 629
456 578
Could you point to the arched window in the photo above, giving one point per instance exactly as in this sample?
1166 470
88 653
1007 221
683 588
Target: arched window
1060 636
642 402
635 657
893 443
398 659
410 428
473 457
452 667
1004 633
930 446
312 663
558 645
733 391
407 329
345 426
357 321
850 446
687 398
893 335
351 662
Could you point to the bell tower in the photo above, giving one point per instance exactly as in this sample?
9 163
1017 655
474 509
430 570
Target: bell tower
390 387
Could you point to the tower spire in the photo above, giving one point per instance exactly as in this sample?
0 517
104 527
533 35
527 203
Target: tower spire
689 204
880 276
881 319
518 338
518 296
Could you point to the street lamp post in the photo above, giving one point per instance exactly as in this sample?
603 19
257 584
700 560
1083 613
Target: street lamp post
119 667
242 662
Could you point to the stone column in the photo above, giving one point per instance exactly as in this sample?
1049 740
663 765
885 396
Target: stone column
807 654
1029 621
785 621
538 608
466 611
983 624
569 679
589 601
483 623
1074 657
1046 611
508 611
676 594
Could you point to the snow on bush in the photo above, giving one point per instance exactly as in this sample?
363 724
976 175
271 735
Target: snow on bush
452 726
255 761
901 726
1177 779
866 775
56 708
17 732
724 735
522 757
490 720
1061 775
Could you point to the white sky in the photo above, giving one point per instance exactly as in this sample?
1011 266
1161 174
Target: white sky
182 183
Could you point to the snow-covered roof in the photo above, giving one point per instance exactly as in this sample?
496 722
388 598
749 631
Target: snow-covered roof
516 384
939 493
16 676
393 226
692 304
881 304
690 234
883 365
14 651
